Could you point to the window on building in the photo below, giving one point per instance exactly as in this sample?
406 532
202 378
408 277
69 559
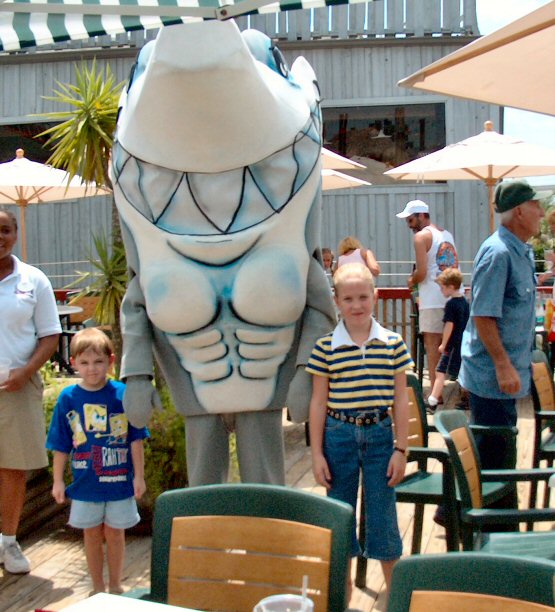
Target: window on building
23 136
383 137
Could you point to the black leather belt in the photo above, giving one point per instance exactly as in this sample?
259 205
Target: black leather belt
363 418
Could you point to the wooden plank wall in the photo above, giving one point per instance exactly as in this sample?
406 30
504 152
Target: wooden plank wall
350 72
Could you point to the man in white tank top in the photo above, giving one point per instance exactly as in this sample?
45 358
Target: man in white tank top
435 251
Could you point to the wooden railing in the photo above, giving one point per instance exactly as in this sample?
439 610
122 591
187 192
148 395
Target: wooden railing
395 310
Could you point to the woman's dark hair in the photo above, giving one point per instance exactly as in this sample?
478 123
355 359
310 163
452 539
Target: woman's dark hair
10 214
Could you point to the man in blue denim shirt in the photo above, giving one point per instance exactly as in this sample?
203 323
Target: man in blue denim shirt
497 343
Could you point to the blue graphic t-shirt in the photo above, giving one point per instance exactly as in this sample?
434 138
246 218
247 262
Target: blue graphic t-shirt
92 428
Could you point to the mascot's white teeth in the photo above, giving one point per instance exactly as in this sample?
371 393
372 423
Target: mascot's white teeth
189 203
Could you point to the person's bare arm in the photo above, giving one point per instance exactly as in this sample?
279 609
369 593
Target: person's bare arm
507 376
42 353
398 461
372 263
447 331
317 421
422 244
138 460
58 469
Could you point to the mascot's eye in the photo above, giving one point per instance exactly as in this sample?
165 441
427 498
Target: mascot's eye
281 64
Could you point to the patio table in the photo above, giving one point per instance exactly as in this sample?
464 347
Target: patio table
117 603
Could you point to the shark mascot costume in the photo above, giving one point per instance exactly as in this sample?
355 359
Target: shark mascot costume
216 172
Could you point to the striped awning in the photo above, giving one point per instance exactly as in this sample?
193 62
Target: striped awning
28 23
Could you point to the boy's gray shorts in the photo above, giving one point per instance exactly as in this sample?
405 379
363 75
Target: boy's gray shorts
120 514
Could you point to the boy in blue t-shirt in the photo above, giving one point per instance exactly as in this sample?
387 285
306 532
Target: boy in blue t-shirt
455 319
107 458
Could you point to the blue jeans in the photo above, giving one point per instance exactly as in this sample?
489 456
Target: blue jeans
496 452
493 450
348 448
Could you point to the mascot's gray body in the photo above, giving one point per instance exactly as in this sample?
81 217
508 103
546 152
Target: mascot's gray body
216 171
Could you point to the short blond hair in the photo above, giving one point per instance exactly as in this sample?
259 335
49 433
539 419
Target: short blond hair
352 270
452 277
91 338
350 243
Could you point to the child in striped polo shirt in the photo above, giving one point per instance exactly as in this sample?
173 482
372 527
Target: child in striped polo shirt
358 375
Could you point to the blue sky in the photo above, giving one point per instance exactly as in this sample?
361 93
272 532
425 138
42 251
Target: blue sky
531 127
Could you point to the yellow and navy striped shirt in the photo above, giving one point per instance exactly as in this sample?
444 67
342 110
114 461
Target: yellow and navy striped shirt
360 378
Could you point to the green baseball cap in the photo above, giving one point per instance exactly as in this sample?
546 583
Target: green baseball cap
508 195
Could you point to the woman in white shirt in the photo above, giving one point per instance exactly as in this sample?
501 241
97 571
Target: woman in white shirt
29 330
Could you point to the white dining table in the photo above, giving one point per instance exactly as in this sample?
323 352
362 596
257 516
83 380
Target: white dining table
103 602
65 311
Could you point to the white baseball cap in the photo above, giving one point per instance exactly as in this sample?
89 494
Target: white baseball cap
412 208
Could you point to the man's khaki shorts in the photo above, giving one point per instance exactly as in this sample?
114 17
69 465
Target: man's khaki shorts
22 427
430 320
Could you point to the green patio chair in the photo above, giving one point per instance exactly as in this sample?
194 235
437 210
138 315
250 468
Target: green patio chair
543 398
460 582
421 486
479 488
240 501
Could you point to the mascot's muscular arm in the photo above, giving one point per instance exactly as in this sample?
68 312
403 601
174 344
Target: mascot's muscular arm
140 397
318 319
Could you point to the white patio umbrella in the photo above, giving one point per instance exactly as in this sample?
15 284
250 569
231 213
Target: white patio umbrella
334 161
331 179
24 182
513 66
488 157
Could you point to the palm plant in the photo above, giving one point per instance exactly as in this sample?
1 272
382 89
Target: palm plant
81 142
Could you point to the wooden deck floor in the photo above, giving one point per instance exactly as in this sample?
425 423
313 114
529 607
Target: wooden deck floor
59 574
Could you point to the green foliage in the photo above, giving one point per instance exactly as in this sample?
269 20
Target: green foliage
233 461
165 462
108 280
48 372
52 389
83 140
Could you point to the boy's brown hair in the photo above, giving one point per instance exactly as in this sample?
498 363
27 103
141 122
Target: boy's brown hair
91 338
451 277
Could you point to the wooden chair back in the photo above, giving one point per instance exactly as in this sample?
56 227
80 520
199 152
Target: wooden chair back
543 384
416 435
470 467
88 303
452 601
476 581
232 562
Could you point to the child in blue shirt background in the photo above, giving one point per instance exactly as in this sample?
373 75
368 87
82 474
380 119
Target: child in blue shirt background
89 426
455 318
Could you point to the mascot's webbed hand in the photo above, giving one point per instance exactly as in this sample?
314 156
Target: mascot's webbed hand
140 398
298 396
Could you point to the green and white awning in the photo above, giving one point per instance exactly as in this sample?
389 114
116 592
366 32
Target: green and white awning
27 23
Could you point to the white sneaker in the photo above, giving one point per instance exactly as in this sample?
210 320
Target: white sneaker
15 561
